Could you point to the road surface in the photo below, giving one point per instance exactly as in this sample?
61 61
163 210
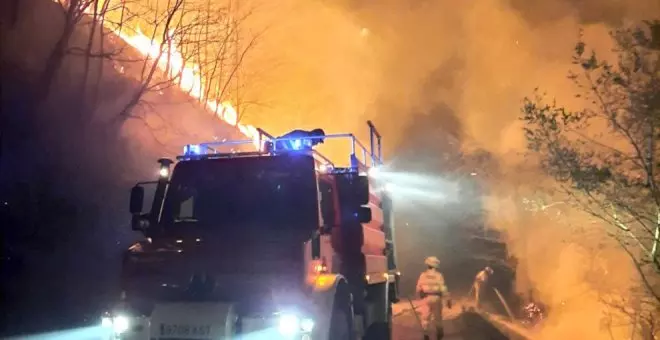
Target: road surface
458 325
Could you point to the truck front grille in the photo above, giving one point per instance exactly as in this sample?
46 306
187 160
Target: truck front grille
180 338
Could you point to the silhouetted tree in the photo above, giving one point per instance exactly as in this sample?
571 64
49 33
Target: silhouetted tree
606 157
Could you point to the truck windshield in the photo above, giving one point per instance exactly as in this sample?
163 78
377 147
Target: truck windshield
243 192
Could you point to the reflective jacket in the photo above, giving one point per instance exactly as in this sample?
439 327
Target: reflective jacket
481 277
431 282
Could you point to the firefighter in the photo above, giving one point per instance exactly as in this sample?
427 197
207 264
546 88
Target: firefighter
432 289
480 282
318 137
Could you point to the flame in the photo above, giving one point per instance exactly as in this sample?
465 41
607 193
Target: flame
191 79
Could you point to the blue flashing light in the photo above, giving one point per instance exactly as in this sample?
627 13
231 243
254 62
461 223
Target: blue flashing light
294 145
192 150
300 144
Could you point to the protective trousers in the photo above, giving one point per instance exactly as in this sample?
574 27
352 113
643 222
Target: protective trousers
432 314
477 287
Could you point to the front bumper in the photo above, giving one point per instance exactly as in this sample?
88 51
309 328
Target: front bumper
206 321
190 321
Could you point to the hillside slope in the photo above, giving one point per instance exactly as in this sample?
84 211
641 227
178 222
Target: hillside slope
67 164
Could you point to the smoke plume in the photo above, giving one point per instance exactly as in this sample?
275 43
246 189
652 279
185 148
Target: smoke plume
337 64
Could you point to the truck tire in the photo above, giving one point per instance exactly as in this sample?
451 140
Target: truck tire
381 330
378 298
341 322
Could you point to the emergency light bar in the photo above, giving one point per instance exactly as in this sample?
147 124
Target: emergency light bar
360 158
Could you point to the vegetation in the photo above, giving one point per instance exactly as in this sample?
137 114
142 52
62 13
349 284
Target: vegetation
605 157
85 115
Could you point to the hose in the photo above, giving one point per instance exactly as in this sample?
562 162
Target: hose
419 321
506 305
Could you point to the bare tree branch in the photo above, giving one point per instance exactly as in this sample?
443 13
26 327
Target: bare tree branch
605 157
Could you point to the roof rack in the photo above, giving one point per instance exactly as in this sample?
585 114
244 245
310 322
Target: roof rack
360 158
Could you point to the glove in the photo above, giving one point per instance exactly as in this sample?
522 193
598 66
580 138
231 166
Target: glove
449 304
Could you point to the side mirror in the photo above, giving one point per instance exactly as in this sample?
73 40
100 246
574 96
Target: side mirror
316 245
364 214
140 222
137 200
358 215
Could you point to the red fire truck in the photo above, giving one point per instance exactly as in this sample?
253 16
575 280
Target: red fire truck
278 243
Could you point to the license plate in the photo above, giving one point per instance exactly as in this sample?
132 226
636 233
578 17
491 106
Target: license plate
185 330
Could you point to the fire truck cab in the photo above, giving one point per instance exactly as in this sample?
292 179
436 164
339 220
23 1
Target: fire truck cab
278 243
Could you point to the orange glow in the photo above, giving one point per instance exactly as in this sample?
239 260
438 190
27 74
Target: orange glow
191 80
318 276
319 266
324 281
316 269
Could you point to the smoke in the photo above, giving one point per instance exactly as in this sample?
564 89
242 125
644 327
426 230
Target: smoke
464 65
68 167
568 262
336 64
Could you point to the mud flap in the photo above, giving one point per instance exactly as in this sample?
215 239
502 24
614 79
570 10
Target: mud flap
358 322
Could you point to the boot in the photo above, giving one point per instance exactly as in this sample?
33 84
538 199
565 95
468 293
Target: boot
440 333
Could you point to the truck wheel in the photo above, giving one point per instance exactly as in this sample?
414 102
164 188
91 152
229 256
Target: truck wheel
341 322
379 301
381 330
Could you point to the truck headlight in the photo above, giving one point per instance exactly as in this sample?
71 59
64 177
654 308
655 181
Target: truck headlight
307 325
290 324
119 323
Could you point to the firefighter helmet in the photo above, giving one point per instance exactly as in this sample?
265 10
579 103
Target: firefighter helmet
318 133
432 262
